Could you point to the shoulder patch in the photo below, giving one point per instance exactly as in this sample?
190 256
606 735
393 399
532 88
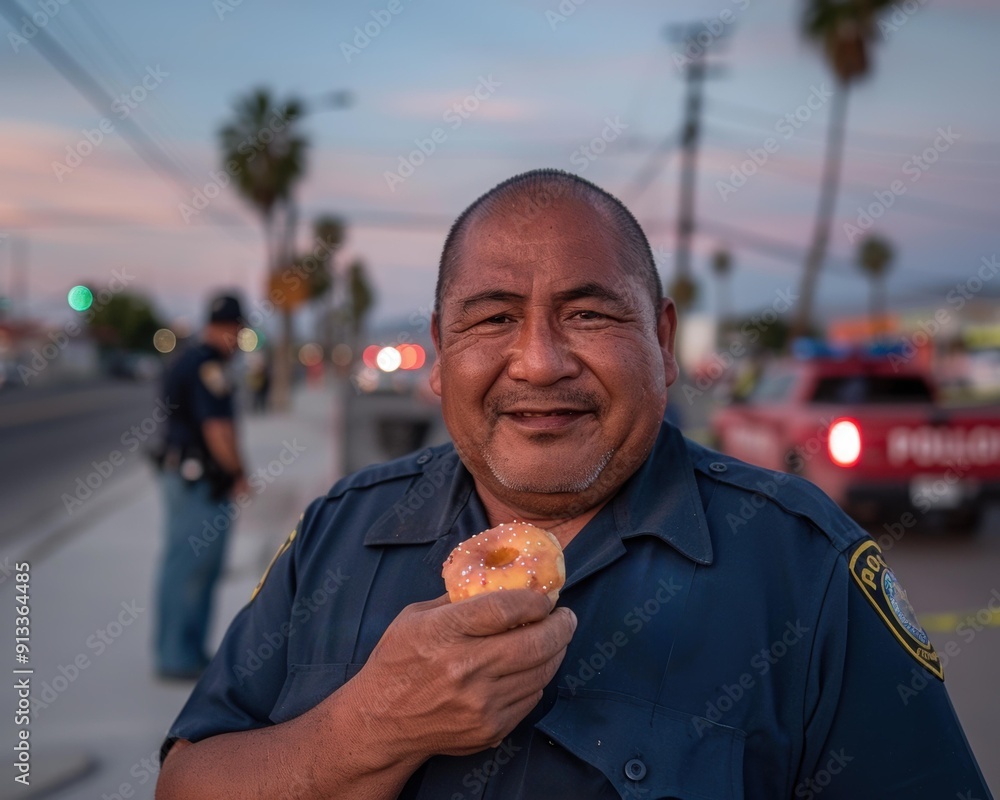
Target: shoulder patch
277 555
213 378
885 593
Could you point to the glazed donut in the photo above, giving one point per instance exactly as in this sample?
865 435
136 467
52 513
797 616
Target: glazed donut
513 555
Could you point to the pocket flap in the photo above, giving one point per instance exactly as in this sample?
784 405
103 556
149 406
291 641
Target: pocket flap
647 750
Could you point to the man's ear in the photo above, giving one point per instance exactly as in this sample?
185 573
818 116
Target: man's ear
666 333
435 379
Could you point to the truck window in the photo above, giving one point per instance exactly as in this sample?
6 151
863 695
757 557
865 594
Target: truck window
772 388
871 389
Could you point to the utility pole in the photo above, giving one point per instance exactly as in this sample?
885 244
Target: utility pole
696 68
19 277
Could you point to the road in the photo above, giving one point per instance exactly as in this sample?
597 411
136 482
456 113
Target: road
51 437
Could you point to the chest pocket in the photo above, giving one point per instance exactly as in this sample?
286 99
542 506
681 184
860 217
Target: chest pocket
307 685
646 750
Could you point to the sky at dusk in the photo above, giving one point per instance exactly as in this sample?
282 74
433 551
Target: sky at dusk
549 83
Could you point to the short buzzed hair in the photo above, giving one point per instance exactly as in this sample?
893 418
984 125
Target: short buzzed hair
529 195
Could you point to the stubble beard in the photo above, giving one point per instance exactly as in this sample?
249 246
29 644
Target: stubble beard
563 484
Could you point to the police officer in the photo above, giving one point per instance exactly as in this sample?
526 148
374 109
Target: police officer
201 467
724 631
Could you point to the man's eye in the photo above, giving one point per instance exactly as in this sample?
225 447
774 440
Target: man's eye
497 319
589 315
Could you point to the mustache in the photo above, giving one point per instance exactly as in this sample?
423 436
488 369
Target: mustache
498 403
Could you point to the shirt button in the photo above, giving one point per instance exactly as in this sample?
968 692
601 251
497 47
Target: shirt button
423 459
635 770
717 466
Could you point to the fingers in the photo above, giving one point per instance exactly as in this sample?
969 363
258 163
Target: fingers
526 647
496 612
521 685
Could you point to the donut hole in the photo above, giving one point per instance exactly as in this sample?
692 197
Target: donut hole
500 557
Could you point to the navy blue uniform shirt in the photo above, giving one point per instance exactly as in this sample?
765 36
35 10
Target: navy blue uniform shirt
730 642
197 384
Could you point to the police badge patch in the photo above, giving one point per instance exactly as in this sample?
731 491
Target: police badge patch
886 594
281 551
213 378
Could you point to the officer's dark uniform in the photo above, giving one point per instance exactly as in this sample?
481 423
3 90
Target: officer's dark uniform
729 644
197 522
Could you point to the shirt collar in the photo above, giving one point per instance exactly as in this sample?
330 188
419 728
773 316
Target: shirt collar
661 499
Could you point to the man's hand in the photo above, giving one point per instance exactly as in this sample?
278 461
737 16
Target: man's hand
454 679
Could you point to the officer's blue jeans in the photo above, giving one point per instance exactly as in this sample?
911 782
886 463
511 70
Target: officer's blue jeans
196 528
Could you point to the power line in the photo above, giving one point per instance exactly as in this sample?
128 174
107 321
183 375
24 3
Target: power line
89 87
935 208
892 138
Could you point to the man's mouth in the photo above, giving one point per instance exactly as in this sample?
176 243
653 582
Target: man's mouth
546 418
544 413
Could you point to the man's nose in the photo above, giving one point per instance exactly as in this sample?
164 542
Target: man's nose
541 354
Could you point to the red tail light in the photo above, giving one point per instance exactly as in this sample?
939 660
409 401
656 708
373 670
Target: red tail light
844 443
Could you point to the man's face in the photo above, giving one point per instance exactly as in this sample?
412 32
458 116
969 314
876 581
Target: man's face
225 337
552 364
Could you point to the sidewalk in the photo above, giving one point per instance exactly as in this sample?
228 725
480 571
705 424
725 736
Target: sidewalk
105 714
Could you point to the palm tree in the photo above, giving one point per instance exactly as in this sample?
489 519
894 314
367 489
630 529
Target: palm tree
328 235
722 265
266 154
360 296
844 29
875 256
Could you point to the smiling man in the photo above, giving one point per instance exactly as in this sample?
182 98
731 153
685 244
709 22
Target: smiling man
724 632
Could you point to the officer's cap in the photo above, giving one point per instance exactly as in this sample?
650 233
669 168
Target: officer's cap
225 308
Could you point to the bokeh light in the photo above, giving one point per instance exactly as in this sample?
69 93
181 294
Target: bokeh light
80 298
247 340
370 355
411 356
388 359
164 340
341 355
310 354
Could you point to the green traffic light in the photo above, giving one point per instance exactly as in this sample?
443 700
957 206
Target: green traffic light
80 298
